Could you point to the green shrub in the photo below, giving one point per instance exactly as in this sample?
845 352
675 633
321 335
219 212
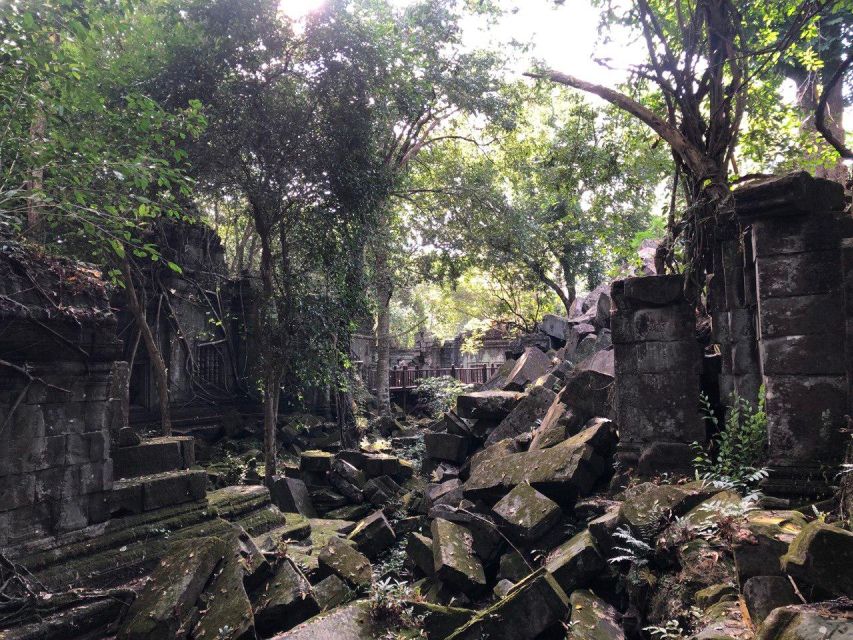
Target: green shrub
735 457
437 395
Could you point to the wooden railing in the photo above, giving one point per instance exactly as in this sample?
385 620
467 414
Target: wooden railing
405 377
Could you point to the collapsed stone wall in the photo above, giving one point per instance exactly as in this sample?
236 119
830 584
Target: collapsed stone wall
57 350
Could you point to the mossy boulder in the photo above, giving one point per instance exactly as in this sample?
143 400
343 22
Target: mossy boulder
342 559
770 535
527 610
454 558
648 509
419 552
526 514
822 621
285 601
350 622
592 618
331 592
575 563
822 555
373 534
173 590
439 621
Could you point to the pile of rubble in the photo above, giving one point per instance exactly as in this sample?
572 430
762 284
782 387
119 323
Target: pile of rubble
504 519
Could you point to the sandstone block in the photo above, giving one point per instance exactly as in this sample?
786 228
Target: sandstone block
453 556
526 513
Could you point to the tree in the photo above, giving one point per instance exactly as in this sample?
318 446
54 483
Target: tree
703 58
85 162
558 198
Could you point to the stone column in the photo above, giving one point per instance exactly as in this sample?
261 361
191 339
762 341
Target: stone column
796 233
658 363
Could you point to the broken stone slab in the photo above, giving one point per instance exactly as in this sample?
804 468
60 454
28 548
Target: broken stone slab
345 561
513 567
563 472
770 535
419 552
439 621
456 425
448 492
709 596
349 622
532 364
827 621
589 384
315 461
822 555
554 326
648 509
381 491
502 588
648 291
494 452
500 377
95 619
154 455
491 406
488 541
447 447
559 423
286 600
325 500
575 563
527 514
602 529
172 590
529 608
291 496
347 480
762 594
352 512
226 612
331 592
592 618
373 535
525 415
453 556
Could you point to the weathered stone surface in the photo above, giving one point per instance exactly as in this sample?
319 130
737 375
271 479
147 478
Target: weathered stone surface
513 567
439 621
447 492
649 507
226 612
487 405
526 513
347 480
494 452
154 455
372 535
807 622
526 611
559 423
346 562
525 416
822 555
562 472
419 552
602 529
286 601
127 437
532 364
762 594
381 491
315 461
291 496
644 291
172 590
771 533
588 386
447 447
147 493
350 622
453 556
331 592
592 618
709 596
575 563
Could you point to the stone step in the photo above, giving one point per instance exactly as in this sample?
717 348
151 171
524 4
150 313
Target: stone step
153 455
158 490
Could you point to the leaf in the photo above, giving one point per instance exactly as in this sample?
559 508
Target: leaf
174 267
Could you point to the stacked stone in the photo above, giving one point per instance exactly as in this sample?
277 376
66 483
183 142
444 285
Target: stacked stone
796 231
658 365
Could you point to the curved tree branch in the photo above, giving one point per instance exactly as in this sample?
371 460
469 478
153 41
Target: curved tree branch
820 117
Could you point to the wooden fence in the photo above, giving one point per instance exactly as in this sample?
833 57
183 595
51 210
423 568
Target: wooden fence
405 377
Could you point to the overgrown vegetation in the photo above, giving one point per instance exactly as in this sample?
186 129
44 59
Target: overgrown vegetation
735 456
438 395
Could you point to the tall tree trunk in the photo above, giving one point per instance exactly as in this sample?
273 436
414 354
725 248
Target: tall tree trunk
384 290
161 375
272 388
272 373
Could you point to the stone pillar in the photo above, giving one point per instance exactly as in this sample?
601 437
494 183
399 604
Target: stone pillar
658 363
797 260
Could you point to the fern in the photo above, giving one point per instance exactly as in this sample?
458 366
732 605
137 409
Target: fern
632 548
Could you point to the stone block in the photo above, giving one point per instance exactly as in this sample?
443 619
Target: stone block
373 535
554 326
655 291
454 559
682 357
291 496
647 509
576 563
796 234
447 447
286 600
419 552
822 555
315 461
592 618
173 590
815 355
527 610
662 324
527 514
800 315
799 274
331 592
487 405
771 533
762 594
806 622
346 562
17 491
154 455
531 365
523 418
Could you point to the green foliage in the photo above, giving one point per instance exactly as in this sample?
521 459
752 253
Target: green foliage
631 549
438 395
736 455
388 607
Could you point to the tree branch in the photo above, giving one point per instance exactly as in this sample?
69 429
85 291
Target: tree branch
820 118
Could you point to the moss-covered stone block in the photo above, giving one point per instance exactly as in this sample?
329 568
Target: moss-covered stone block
527 514
285 601
822 555
346 562
454 558
575 563
592 618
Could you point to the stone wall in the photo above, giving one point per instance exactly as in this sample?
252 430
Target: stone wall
57 351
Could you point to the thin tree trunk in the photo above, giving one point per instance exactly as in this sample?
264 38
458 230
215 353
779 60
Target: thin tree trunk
383 331
161 375
272 374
